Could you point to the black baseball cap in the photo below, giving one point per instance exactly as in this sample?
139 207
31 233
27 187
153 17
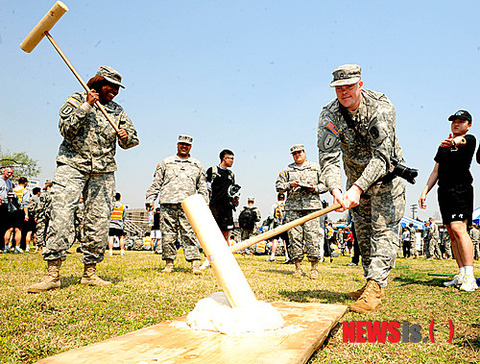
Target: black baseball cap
461 115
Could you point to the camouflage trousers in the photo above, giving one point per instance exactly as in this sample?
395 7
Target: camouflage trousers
476 249
246 234
173 225
308 236
448 248
377 222
42 227
98 192
426 244
434 249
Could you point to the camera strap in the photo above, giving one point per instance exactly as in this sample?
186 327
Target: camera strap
353 126
348 118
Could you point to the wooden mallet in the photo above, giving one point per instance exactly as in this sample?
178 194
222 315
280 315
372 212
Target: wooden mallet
282 228
224 265
42 29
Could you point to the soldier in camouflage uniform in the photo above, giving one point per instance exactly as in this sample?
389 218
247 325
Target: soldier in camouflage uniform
434 240
176 178
303 183
360 125
448 244
85 168
475 236
413 240
43 213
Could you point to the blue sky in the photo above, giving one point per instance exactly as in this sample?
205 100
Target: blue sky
251 76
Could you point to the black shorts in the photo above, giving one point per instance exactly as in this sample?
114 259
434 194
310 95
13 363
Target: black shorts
115 232
283 236
15 219
223 217
456 203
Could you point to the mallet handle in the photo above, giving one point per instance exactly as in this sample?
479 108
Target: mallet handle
79 78
282 228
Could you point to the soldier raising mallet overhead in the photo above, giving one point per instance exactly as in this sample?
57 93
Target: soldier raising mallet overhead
85 168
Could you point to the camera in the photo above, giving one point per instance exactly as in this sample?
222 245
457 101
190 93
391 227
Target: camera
407 173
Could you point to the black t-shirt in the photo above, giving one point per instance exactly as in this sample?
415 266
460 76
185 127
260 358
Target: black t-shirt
223 179
454 164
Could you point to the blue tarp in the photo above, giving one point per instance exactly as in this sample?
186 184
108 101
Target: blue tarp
476 216
416 224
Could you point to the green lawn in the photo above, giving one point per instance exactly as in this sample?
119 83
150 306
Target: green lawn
34 326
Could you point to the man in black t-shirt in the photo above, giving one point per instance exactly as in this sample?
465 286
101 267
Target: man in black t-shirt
455 194
221 186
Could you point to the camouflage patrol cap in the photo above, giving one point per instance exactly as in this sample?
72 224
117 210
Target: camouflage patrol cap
251 199
348 74
110 75
49 182
187 139
461 115
297 148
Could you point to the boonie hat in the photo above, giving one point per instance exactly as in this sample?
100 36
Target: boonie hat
348 74
461 115
187 139
110 75
296 148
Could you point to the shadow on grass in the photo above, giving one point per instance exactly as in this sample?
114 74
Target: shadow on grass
468 342
73 280
277 271
323 296
435 282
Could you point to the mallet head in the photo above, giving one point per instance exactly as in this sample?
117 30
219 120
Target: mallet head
44 25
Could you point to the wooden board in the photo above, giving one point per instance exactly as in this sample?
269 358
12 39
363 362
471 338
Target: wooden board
307 326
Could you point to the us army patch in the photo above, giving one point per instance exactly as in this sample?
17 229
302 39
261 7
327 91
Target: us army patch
327 141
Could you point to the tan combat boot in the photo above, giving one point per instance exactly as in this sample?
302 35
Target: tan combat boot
356 294
168 267
90 277
314 270
51 281
196 267
298 269
370 300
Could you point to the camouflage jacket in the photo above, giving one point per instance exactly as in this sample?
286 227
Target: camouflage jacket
301 198
44 206
177 178
366 149
433 233
33 205
474 235
89 141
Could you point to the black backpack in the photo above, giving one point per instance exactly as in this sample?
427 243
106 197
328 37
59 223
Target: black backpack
247 218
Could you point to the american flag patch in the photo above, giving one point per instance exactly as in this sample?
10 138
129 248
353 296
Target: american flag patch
332 128
73 102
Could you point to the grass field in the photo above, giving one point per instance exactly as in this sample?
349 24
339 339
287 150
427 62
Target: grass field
34 326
